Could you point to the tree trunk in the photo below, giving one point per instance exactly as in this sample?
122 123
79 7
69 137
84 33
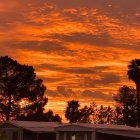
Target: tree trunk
9 108
138 103
9 96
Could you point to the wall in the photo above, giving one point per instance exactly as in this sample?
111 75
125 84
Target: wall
74 135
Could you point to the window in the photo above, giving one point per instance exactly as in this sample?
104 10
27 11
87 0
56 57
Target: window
73 137
15 136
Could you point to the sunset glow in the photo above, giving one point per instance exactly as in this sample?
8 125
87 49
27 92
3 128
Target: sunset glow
80 48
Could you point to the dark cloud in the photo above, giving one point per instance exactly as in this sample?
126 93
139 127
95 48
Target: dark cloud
86 38
97 95
103 39
52 93
45 46
49 66
96 3
61 91
79 70
92 95
74 70
104 80
52 79
110 78
111 7
85 70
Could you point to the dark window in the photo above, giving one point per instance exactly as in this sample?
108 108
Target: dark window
15 136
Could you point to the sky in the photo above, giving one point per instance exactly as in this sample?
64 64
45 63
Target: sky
80 48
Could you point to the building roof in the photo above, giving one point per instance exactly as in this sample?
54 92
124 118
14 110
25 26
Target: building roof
120 130
130 134
35 126
25 124
52 127
100 126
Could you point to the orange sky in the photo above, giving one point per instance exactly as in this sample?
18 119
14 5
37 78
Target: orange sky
80 48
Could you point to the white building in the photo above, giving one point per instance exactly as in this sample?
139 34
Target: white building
27 130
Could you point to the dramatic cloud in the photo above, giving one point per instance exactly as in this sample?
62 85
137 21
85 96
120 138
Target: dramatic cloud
102 79
45 46
61 92
97 95
80 48
68 94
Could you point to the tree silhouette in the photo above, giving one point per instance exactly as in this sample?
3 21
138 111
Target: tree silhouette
82 115
85 114
46 117
21 93
118 115
105 115
134 75
49 116
72 112
126 105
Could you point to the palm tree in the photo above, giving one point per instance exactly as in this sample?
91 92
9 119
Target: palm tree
134 75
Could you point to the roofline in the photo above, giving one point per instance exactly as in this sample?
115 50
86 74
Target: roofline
10 122
74 124
90 127
118 133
